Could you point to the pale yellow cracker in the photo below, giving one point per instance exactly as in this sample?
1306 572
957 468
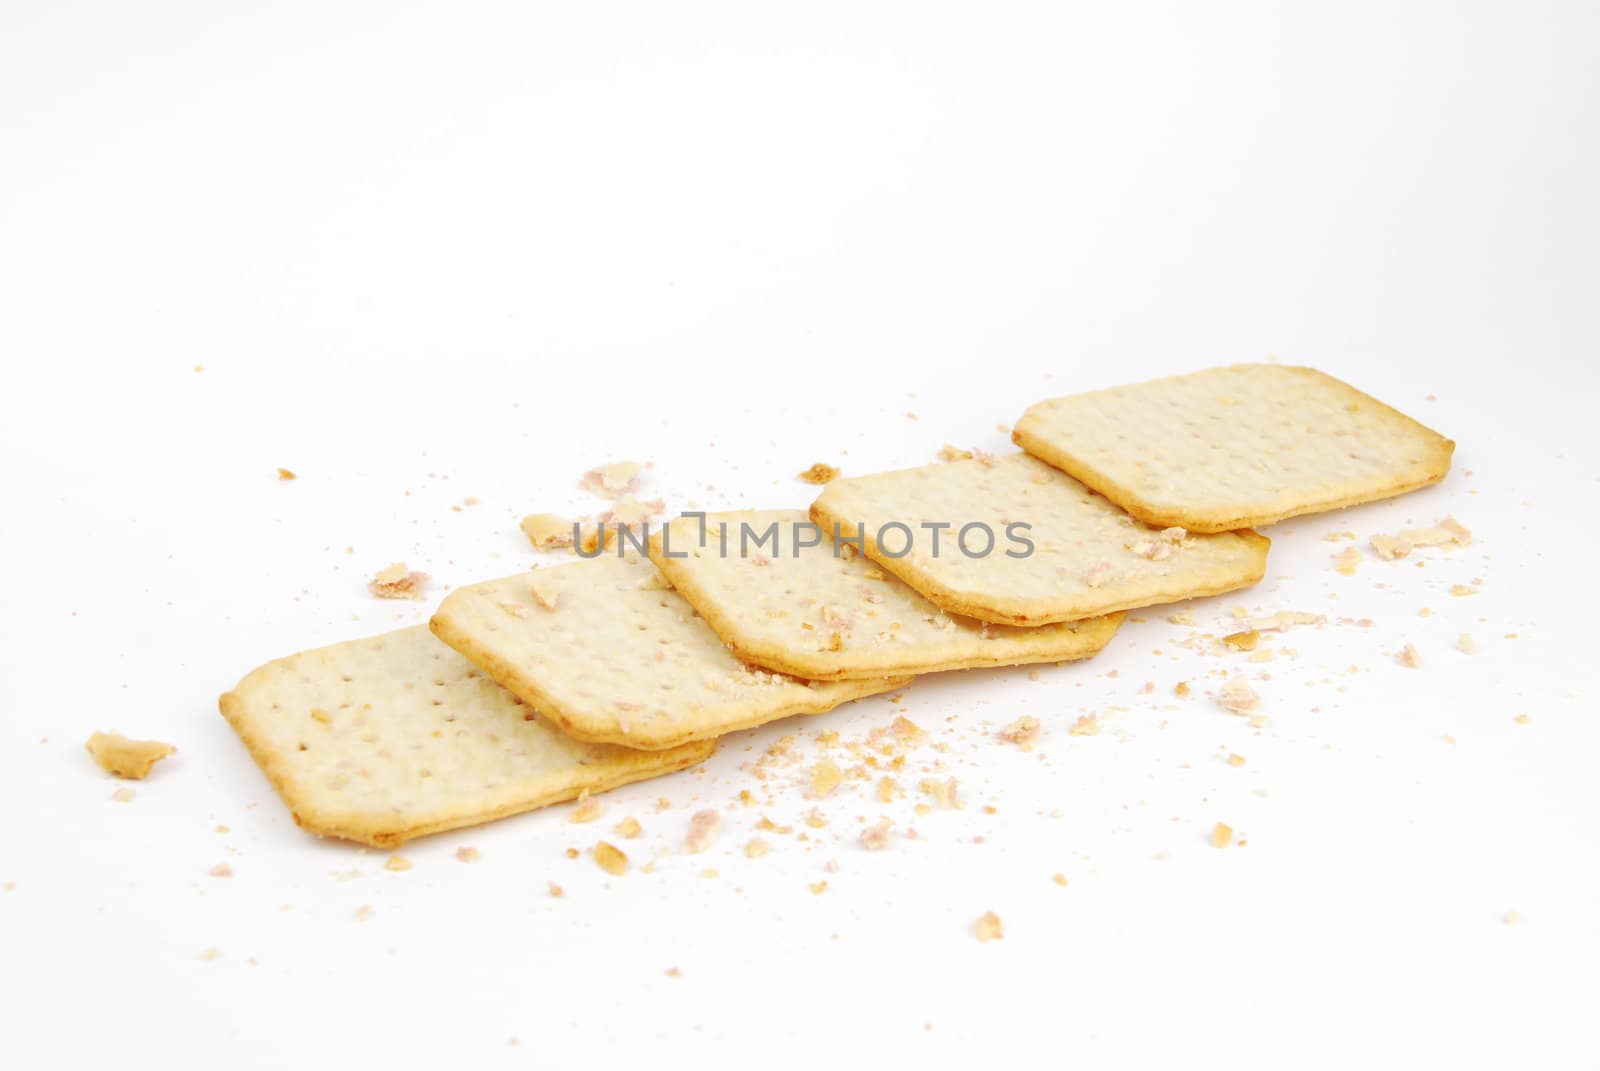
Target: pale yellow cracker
1087 557
391 737
795 604
1237 446
610 653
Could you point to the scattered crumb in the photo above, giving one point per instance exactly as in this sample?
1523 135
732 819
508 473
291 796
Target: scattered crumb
211 954
1522 719
1221 835
1448 532
546 531
467 855
556 891
1024 732
612 481
756 848
819 473
1346 561
610 858
1237 696
285 475
825 777
588 809
1410 657
397 863
703 829
988 927
1465 644
544 593
1086 725
397 582
1181 689
1512 918
943 793
122 757
123 795
365 912
221 870
1235 760
876 838
818 888
628 828
1059 879
673 972
951 453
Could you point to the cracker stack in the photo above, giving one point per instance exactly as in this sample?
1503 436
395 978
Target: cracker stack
577 678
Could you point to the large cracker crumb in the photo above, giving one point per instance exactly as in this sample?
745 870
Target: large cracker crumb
875 838
1448 532
703 829
825 777
612 481
628 828
122 757
610 858
398 582
1237 695
819 474
1221 835
988 927
546 531
1024 732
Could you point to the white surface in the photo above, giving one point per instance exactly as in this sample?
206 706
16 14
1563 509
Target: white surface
427 253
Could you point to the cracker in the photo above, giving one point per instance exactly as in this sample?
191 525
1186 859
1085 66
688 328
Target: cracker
1088 558
801 607
1232 447
387 738
610 653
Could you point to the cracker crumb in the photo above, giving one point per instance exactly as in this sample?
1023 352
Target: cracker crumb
1235 760
211 954
1237 696
1086 725
1448 532
819 473
876 838
1181 689
467 855
1409 657
825 777
988 927
1059 879
818 888
1346 561
556 891
610 858
123 795
703 829
397 863
284 475
587 810
365 912
756 848
1465 644
943 793
952 453
396 581
1512 918
888 790
673 972
543 591
546 531
125 758
1024 732
628 828
1221 835
1242 641
221 870
1522 719
612 481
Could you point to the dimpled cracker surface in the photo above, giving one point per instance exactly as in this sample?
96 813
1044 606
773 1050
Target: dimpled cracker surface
1088 557
394 736
606 650
1232 447
798 607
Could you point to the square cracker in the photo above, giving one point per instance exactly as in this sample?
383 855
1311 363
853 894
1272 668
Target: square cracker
391 737
608 651
798 604
1231 447
1088 558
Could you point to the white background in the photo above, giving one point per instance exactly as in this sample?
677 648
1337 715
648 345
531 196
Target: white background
430 252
